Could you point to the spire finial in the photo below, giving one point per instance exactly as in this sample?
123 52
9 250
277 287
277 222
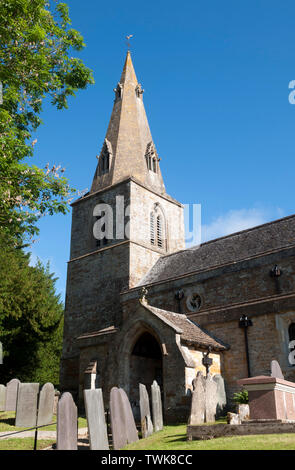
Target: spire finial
128 41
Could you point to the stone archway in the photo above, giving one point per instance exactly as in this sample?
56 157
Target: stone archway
145 366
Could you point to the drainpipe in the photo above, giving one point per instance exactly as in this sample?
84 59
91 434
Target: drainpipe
245 322
179 296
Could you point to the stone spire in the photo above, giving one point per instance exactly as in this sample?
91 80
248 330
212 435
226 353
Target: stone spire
128 149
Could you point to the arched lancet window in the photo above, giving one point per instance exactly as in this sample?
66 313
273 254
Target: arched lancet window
102 164
157 227
107 162
105 158
152 228
160 231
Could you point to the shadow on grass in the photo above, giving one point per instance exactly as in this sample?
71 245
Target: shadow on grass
8 421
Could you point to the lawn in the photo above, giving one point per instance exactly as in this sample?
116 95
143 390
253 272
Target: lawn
7 419
174 438
27 443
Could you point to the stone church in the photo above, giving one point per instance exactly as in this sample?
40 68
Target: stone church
139 306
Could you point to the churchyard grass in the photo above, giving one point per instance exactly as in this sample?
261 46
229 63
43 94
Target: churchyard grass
7 419
27 443
174 438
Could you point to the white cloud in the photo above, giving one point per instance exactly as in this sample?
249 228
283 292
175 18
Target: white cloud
237 220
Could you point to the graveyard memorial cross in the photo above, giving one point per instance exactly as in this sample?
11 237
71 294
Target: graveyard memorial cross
207 361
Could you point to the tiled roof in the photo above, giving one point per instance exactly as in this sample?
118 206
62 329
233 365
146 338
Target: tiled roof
230 249
188 330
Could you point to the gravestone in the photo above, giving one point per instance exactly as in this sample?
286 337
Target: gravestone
131 431
26 406
276 370
157 406
220 395
46 402
67 423
197 415
11 394
97 428
145 412
117 419
210 399
2 397
122 421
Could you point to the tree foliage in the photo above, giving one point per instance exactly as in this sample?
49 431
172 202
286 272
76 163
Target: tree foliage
31 318
36 43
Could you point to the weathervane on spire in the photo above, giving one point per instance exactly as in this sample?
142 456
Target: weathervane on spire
128 40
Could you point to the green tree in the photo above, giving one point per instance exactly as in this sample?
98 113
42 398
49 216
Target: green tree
36 47
31 318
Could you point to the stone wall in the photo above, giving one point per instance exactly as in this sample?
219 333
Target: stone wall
227 292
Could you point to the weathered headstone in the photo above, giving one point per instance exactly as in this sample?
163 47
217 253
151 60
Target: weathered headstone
122 420
157 406
2 397
26 406
97 428
197 415
145 412
220 395
233 418
244 411
46 402
210 399
11 394
276 370
131 431
67 423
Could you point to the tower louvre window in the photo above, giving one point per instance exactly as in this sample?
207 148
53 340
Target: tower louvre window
158 235
152 228
159 231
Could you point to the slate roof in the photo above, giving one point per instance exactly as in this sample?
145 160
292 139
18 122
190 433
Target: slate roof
238 246
188 330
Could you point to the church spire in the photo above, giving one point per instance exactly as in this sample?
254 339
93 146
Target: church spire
128 149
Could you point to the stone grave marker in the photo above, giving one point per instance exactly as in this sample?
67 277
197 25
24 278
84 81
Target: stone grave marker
11 394
46 402
67 423
2 397
97 428
122 420
220 395
276 370
145 412
157 406
131 431
117 419
26 406
197 415
210 399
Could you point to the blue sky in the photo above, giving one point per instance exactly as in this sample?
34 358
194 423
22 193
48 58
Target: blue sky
216 78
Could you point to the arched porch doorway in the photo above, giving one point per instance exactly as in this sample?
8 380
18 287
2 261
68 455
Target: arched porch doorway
145 367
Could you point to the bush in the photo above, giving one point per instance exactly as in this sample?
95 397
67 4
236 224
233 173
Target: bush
241 397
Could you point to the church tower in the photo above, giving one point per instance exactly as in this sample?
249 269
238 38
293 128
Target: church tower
119 230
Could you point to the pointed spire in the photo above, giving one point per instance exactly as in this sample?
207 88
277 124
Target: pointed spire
128 149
